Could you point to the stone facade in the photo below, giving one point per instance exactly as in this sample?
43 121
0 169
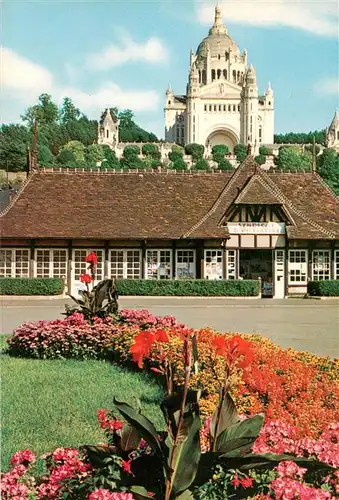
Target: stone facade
332 136
221 104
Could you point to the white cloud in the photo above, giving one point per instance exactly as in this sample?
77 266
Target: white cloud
328 86
319 17
21 77
152 51
23 81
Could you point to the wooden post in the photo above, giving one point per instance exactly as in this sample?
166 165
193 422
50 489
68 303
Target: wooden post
143 260
106 261
69 267
31 259
174 260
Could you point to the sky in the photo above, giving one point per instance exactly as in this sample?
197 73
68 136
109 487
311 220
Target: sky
126 53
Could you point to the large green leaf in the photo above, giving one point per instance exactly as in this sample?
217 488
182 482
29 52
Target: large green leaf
186 457
268 461
142 424
171 406
130 438
228 416
240 436
139 492
97 454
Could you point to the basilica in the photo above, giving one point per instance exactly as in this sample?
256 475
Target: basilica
222 104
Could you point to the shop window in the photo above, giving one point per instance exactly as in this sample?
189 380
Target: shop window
321 265
297 267
125 264
231 264
21 263
81 266
213 264
159 264
336 265
51 263
185 264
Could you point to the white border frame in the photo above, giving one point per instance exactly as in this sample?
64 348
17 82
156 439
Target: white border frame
297 283
124 265
194 261
158 259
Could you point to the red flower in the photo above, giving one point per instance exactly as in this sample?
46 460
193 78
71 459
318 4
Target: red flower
85 278
246 482
235 481
143 343
126 465
115 425
233 349
92 258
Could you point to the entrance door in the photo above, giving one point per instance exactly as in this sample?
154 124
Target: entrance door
80 266
279 274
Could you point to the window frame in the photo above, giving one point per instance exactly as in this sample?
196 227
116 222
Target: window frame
327 264
231 265
218 251
177 264
125 262
158 250
336 265
84 264
51 266
292 266
14 262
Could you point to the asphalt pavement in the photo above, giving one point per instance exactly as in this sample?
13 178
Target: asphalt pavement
311 325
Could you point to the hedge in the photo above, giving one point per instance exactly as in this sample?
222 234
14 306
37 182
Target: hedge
200 287
31 286
324 288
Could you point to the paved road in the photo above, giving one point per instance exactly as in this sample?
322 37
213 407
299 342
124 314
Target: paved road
310 325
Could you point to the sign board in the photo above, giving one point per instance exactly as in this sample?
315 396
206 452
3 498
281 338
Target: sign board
256 227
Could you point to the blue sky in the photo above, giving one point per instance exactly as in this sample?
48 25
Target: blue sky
125 53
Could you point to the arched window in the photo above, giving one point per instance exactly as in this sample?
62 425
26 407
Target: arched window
225 73
169 102
199 76
238 76
229 107
204 76
219 57
226 56
213 74
219 73
234 76
107 133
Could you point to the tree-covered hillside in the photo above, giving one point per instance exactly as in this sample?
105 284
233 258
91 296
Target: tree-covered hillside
62 134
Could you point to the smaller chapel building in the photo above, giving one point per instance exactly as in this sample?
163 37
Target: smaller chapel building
282 228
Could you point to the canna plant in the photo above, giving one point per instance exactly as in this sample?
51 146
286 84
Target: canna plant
99 301
171 463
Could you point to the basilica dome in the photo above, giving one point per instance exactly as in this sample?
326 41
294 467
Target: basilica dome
218 41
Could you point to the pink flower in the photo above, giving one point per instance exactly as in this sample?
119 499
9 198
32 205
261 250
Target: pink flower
236 481
24 457
290 469
246 482
103 494
126 465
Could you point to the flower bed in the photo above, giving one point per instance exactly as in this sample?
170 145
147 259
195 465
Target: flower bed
297 392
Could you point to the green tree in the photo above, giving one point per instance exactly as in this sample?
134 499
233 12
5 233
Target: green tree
293 159
66 157
93 154
264 151
45 157
14 141
240 151
261 159
195 150
130 159
179 164
77 148
151 150
201 164
301 137
218 153
328 168
225 165
45 111
68 111
110 159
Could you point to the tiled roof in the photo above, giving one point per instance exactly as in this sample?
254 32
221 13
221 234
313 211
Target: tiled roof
111 205
166 205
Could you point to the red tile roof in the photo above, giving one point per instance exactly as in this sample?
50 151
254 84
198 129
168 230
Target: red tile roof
167 205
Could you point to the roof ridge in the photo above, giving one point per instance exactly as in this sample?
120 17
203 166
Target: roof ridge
99 171
287 202
255 177
18 193
218 200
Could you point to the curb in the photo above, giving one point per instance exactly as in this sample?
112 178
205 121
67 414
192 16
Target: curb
33 297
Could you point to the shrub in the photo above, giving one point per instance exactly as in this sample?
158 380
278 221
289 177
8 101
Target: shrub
201 164
220 150
261 159
195 150
198 287
240 151
31 286
179 164
151 150
131 151
325 288
225 165
264 151
175 155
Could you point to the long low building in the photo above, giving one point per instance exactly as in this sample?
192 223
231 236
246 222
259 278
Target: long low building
242 224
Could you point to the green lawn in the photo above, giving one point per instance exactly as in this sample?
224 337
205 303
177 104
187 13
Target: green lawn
51 403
